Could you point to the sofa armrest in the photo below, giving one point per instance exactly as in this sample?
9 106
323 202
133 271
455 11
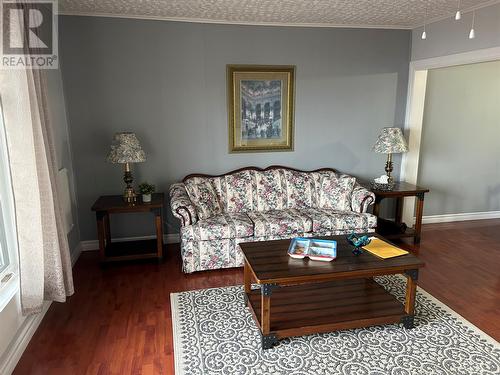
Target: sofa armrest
181 206
361 198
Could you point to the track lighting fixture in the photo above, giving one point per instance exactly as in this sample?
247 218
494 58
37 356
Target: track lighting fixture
472 33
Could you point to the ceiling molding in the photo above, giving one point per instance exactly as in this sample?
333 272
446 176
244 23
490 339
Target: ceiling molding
463 11
242 23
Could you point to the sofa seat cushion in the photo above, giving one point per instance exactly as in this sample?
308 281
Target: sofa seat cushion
280 222
326 220
222 226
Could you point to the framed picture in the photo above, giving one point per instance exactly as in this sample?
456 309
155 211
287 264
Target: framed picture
260 107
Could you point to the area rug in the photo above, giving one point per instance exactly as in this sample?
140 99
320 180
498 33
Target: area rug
214 333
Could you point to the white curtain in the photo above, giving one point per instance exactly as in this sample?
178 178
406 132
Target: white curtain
44 259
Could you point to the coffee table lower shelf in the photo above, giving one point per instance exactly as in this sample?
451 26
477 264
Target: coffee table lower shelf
324 307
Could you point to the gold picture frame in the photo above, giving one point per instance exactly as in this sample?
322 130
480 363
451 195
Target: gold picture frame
261 107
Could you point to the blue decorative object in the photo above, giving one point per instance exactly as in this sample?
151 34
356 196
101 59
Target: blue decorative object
358 241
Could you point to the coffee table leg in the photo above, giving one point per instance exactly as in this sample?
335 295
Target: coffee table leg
268 339
247 280
411 290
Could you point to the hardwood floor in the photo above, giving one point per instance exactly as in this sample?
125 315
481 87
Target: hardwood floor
463 269
118 321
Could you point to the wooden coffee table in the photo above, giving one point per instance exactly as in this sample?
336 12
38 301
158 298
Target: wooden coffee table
301 297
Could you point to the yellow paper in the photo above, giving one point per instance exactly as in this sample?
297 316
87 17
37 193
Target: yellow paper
383 250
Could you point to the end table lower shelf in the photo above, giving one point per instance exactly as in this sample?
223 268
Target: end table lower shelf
131 250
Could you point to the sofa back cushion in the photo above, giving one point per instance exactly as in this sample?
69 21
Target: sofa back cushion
335 192
237 191
270 191
202 193
299 188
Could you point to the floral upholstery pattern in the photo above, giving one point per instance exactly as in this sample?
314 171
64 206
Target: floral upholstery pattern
181 205
299 188
216 254
327 220
260 205
210 255
239 191
335 192
361 198
270 194
279 222
202 194
226 225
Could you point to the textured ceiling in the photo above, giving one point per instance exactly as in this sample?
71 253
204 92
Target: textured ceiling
353 13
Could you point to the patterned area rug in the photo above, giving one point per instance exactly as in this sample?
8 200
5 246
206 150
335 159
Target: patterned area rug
214 333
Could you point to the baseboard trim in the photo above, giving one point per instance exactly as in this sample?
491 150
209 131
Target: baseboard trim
16 348
94 244
432 219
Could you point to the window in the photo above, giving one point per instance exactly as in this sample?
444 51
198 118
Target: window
4 250
8 245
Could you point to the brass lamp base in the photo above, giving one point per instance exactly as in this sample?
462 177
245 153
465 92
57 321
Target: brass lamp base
388 169
129 194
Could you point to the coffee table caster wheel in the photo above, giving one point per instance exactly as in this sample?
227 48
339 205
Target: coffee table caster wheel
268 341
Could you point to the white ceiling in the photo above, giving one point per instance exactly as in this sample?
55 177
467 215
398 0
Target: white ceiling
399 14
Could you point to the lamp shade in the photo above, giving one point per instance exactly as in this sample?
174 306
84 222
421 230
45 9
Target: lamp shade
390 141
126 149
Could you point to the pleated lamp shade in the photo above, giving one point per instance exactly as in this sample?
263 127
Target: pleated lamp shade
126 149
391 141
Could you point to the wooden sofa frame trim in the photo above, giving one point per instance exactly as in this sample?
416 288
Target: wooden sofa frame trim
256 169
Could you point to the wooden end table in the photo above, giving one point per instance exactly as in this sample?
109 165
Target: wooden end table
128 250
301 297
397 229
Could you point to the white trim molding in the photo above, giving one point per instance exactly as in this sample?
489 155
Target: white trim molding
432 219
19 343
470 57
92 245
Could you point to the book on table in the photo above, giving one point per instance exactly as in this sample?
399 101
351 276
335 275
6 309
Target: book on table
383 250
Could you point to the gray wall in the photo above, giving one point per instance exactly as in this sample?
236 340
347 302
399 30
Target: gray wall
166 81
448 36
460 156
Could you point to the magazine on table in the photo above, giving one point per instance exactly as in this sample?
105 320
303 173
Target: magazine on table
314 249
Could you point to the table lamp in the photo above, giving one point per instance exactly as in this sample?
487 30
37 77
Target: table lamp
390 141
126 149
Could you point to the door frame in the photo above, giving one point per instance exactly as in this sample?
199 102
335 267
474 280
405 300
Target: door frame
417 85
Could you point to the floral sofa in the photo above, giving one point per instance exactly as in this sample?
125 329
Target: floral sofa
252 204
